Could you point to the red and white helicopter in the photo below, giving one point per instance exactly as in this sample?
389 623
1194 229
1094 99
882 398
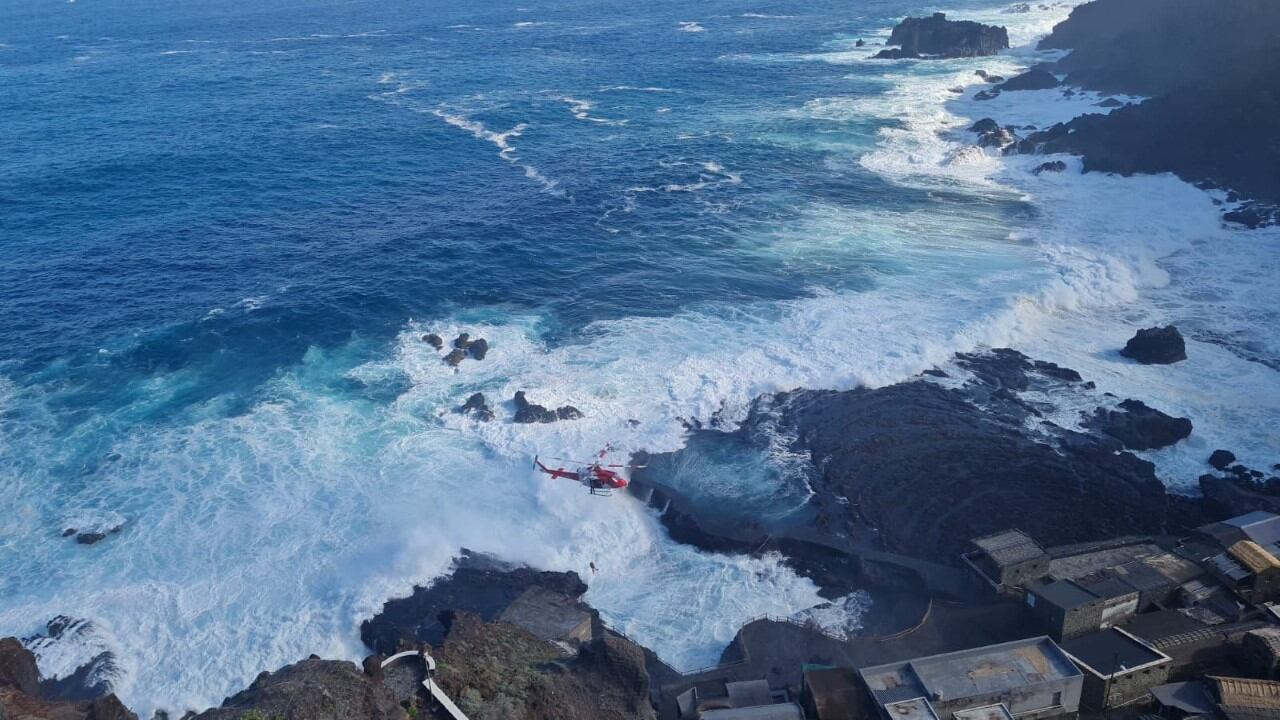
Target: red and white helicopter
596 475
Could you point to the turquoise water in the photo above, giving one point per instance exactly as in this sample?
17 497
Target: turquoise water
227 225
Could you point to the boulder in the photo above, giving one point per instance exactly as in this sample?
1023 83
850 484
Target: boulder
986 95
860 43
455 357
938 36
1140 427
527 412
1034 79
1156 346
896 54
433 340
479 348
1055 166
998 138
1220 459
985 125
462 342
478 407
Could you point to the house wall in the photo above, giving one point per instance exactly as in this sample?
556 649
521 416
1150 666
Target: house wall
1116 609
1042 700
1061 624
1022 573
1099 694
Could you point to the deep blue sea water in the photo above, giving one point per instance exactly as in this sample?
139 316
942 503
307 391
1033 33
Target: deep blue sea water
224 226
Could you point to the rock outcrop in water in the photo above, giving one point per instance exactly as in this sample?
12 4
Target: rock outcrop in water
1209 69
940 37
1034 79
924 467
1156 346
528 412
1140 427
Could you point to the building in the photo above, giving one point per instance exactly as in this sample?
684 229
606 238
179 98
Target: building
1246 554
833 694
1007 560
1064 608
1196 647
1241 699
1260 650
1176 701
1029 679
741 700
1119 669
1068 608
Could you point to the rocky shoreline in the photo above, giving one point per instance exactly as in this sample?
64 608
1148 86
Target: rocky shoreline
902 477
1208 71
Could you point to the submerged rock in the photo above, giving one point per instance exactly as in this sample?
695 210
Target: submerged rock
1110 103
433 340
1055 166
455 357
987 94
1156 346
462 342
1140 427
938 36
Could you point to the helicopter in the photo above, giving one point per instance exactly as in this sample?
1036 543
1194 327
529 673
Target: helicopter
595 475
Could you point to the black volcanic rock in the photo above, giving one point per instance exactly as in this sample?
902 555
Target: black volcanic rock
1055 166
1220 459
998 138
478 407
929 467
527 412
1034 79
938 36
478 348
1156 346
986 94
896 54
462 342
433 340
1110 103
1209 69
479 584
985 125
1140 427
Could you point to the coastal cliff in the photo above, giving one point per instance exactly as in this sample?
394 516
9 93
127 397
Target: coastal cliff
1209 70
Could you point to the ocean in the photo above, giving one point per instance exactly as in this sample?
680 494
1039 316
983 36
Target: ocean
227 225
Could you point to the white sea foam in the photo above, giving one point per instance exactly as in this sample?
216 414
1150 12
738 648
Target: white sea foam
1126 252
581 110
361 499
690 26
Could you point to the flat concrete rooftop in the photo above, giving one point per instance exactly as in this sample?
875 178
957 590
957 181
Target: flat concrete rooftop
982 671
